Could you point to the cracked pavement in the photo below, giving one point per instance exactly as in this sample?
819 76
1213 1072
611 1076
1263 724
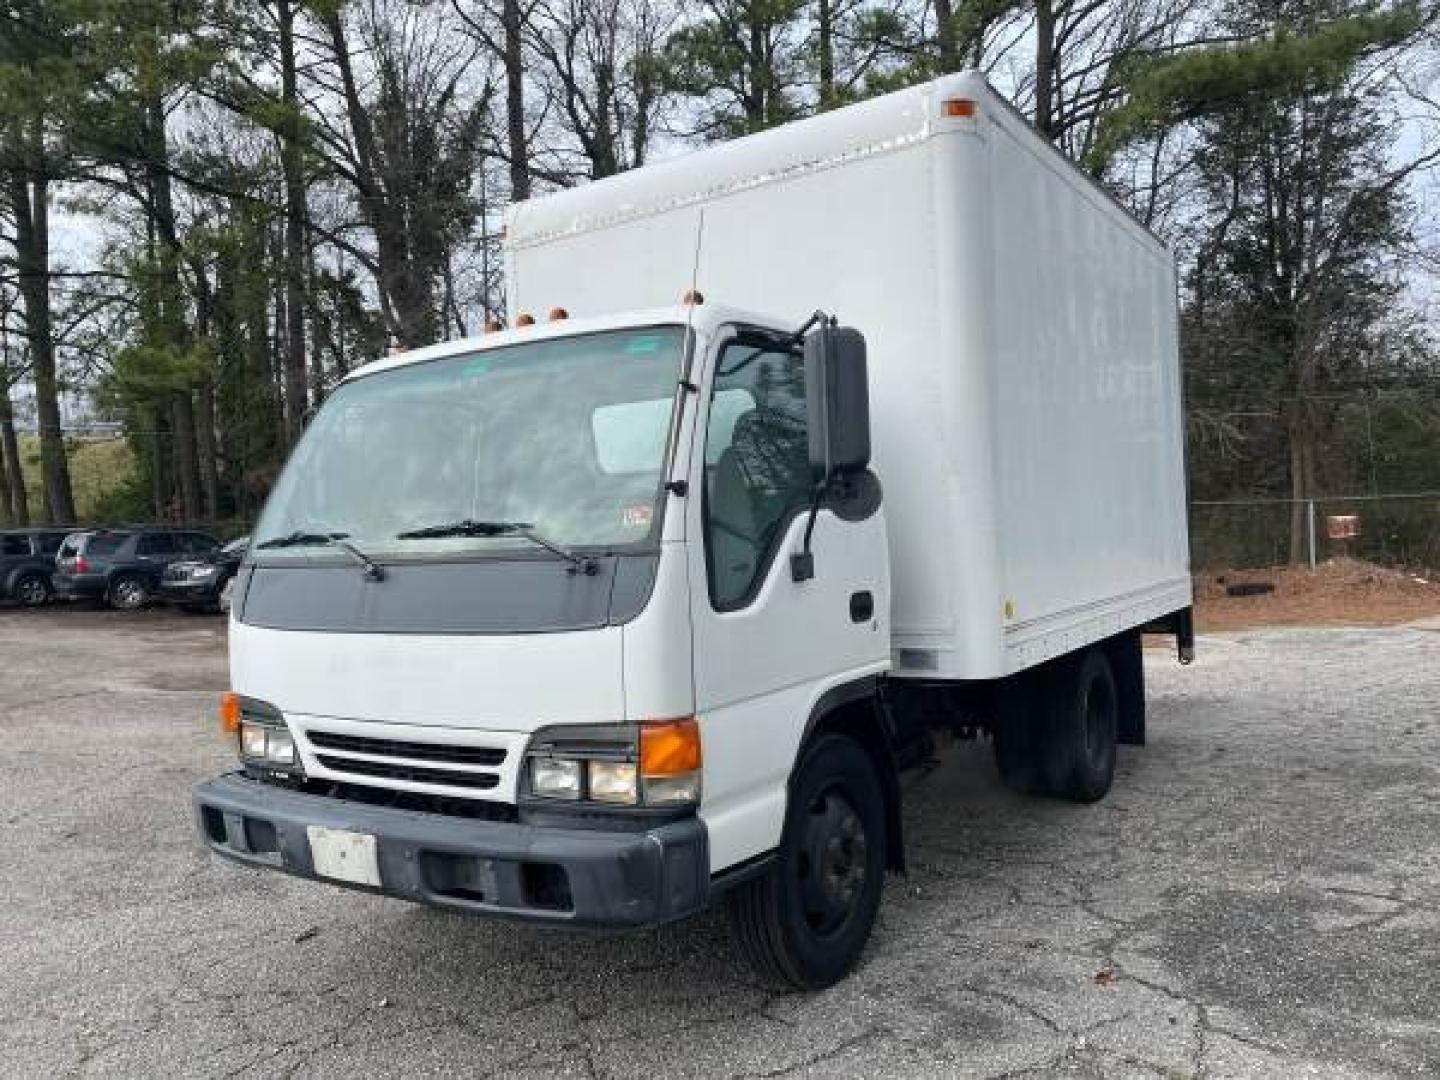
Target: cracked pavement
1256 897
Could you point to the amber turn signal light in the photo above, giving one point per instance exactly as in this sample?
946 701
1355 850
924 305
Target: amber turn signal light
230 712
669 747
957 107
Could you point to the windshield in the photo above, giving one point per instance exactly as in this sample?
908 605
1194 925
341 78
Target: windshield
566 437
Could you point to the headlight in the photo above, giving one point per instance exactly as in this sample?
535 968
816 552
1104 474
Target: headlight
261 737
252 741
555 778
200 573
650 764
612 781
265 744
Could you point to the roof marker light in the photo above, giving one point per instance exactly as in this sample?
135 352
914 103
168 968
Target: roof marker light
692 297
493 325
558 313
524 319
957 107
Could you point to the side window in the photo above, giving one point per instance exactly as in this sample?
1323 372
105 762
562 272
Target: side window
156 544
757 467
14 545
197 543
50 543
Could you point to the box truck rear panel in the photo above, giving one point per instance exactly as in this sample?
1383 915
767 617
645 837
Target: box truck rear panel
1023 361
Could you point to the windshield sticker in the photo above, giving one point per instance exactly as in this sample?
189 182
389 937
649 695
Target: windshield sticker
647 343
637 517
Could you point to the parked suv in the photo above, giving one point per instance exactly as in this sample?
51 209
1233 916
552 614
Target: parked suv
123 567
27 561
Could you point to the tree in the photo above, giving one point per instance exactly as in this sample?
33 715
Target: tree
744 62
39 80
411 150
1293 288
602 60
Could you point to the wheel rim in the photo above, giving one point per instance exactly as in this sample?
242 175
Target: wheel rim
832 866
129 594
32 591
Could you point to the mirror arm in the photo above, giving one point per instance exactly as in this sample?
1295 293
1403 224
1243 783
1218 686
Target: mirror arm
802 563
818 318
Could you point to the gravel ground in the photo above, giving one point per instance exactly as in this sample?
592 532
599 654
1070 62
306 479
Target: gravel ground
1256 897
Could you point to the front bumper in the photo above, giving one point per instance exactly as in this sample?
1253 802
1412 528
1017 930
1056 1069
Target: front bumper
567 877
188 592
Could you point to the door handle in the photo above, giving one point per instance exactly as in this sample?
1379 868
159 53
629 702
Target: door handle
862 606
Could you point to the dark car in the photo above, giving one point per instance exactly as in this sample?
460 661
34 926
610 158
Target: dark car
27 561
200 584
123 567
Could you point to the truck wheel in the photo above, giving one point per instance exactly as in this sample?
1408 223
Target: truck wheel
1083 727
32 590
129 594
806 921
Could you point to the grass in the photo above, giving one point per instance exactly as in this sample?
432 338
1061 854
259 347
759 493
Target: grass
99 467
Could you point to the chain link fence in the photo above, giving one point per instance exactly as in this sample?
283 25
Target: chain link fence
1392 530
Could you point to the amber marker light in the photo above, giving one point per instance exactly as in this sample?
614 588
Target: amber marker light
493 325
558 313
957 107
525 319
669 747
229 712
692 297
670 762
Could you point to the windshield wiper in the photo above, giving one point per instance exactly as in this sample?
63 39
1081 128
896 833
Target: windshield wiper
582 563
373 570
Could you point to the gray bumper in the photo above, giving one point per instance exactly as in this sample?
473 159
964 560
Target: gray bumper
567 877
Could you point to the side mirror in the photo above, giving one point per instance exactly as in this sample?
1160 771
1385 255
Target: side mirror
837 395
838 401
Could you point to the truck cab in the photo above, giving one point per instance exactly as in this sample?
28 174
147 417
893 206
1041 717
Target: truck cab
523 629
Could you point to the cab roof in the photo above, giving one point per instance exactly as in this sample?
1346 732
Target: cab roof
705 318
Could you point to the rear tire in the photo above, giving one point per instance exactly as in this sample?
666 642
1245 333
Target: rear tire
806 921
33 590
1082 728
129 594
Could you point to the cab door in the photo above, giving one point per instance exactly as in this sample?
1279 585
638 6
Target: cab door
767 647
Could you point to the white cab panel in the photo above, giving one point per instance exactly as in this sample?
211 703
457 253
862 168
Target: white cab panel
759 672
492 682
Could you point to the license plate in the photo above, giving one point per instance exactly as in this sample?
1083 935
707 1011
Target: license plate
344 855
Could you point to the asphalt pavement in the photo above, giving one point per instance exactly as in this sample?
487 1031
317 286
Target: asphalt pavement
1256 897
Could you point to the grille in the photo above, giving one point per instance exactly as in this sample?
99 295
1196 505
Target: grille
361 744
415 774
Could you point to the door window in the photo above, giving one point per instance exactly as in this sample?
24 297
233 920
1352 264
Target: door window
156 544
757 466
197 543
14 545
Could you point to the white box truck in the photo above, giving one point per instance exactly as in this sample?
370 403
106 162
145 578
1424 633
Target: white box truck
605 617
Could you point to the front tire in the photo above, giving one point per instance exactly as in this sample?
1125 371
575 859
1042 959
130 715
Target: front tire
806 921
129 594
